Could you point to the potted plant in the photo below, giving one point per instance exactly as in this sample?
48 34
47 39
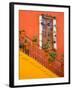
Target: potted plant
46 47
35 40
62 63
25 45
52 57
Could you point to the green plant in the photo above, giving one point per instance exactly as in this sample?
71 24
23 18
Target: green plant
46 46
50 60
35 39
53 55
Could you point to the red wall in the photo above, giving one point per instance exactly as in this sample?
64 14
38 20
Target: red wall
29 21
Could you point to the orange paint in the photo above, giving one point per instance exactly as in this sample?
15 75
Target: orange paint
29 21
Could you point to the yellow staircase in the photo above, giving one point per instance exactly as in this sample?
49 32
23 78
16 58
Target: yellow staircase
29 68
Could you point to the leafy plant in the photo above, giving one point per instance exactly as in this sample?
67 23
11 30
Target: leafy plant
50 60
35 39
46 46
52 56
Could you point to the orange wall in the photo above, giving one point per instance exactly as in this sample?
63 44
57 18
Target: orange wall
29 21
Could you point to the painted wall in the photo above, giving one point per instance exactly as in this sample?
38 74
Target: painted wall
29 21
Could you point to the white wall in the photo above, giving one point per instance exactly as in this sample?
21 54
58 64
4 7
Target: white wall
40 32
4 44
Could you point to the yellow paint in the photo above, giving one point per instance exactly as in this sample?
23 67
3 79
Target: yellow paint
31 69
